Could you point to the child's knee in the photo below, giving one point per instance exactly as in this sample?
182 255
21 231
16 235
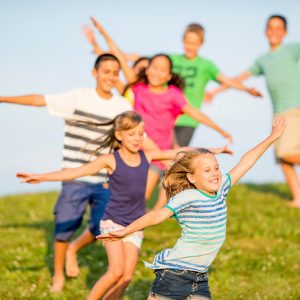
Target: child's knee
126 279
116 273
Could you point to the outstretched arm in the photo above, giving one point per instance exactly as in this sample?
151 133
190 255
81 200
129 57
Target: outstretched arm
251 157
104 161
202 118
224 86
149 219
127 70
90 36
33 100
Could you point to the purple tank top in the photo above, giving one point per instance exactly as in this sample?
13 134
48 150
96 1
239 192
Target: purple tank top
127 186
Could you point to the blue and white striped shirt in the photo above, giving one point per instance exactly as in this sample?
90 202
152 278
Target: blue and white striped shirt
203 221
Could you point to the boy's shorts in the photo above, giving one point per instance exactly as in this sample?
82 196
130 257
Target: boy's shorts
172 284
183 135
135 238
71 205
289 142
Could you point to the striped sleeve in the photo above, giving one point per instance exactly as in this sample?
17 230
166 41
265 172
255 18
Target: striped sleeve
256 69
225 185
296 51
177 203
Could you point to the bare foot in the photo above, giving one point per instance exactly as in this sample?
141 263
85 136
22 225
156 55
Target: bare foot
72 269
57 284
295 203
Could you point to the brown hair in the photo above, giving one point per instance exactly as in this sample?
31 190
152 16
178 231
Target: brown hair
196 28
124 121
175 178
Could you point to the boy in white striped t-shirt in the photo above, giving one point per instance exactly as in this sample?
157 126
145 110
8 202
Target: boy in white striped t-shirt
197 193
80 108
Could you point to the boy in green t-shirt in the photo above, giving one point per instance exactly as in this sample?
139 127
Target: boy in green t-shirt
280 66
197 72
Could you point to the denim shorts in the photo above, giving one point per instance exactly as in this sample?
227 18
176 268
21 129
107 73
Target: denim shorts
71 205
180 285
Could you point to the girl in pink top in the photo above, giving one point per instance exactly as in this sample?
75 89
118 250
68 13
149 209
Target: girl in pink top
159 100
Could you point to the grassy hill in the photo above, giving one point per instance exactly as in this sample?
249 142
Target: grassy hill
260 259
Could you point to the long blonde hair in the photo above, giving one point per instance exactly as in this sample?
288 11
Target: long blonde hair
175 178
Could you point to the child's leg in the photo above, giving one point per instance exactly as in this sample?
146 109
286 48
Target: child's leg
68 211
152 180
292 181
58 278
86 238
292 159
116 265
131 253
99 197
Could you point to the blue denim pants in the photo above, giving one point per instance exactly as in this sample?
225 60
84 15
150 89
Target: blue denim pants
180 285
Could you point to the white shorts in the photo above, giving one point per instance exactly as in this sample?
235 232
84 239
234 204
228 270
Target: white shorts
135 238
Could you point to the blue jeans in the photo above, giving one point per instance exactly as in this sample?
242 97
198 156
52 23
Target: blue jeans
71 205
180 285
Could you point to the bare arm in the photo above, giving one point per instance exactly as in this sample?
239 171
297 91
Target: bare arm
147 220
104 161
90 36
165 154
202 118
251 157
224 85
33 100
127 70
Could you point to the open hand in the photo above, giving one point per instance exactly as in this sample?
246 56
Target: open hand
98 25
29 178
219 150
112 236
278 127
208 97
89 33
254 92
227 136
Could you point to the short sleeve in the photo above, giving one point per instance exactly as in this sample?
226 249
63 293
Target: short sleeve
129 96
225 185
175 204
213 71
296 51
256 69
63 105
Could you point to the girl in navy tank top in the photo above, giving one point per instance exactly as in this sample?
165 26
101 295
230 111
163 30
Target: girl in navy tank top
127 170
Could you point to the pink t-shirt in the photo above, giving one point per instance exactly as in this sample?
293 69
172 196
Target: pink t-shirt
159 112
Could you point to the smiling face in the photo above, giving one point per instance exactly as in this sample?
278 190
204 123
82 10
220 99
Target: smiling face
206 176
159 71
132 139
275 32
191 44
107 75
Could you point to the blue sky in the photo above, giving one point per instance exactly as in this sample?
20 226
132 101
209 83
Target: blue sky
43 51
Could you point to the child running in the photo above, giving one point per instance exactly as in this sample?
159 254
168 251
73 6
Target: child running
197 193
280 66
85 105
127 168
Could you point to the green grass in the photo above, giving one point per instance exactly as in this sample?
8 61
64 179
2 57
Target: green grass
260 259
